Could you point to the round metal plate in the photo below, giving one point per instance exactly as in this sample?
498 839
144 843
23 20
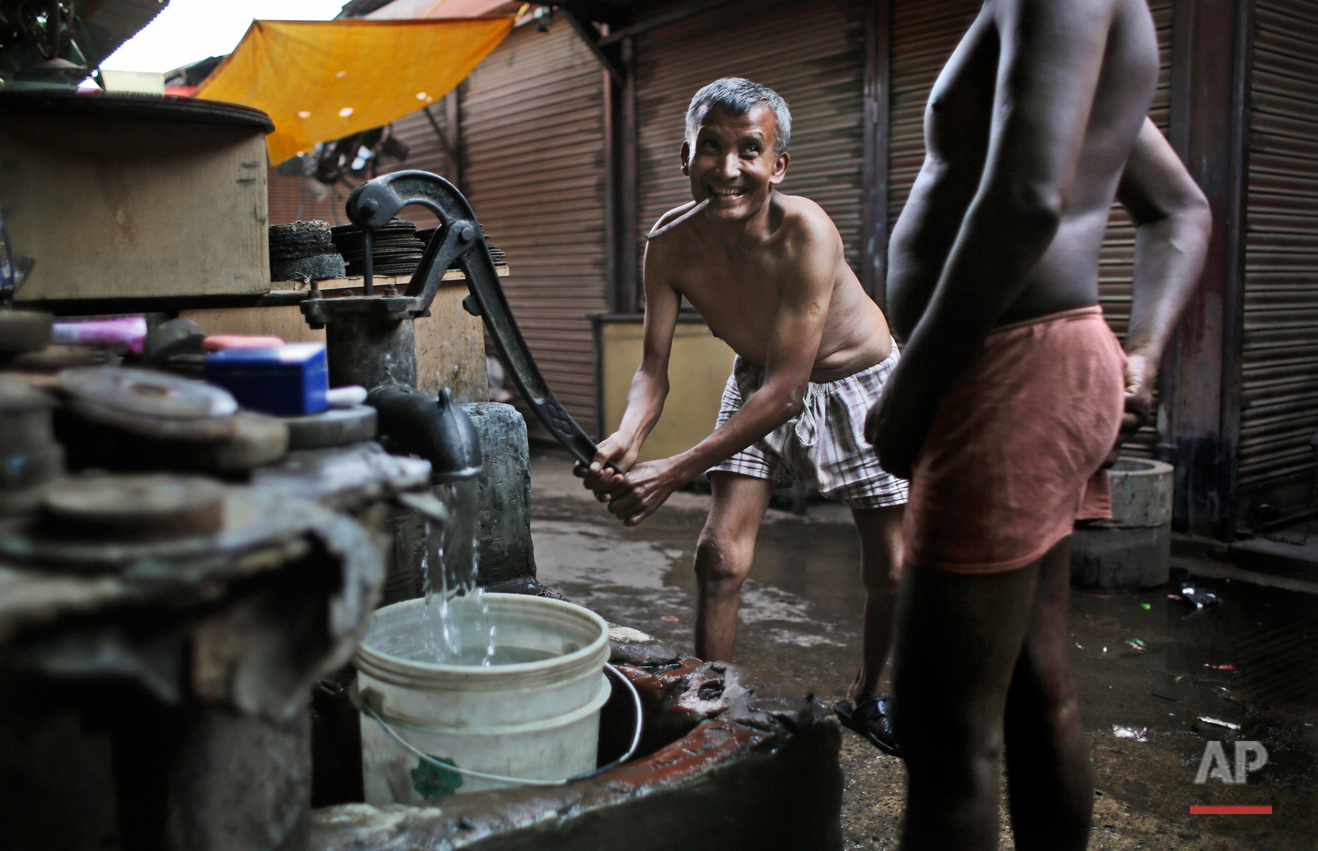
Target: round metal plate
250 520
138 507
335 427
29 455
57 357
150 403
24 331
257 440
18 396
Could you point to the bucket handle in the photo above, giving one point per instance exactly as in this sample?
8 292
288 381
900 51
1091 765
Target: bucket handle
480 775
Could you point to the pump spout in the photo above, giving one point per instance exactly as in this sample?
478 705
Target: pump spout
412 422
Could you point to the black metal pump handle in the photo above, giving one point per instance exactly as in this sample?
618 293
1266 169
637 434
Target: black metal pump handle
459 239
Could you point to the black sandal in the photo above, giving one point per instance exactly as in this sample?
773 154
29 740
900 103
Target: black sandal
870 718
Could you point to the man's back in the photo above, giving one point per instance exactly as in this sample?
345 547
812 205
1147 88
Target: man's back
974 90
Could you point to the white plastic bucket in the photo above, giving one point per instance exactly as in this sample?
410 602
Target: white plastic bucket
536 720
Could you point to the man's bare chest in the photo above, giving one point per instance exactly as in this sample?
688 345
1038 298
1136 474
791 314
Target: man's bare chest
737 308
960 108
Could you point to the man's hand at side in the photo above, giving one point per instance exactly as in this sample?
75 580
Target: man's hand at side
898 424
1141 399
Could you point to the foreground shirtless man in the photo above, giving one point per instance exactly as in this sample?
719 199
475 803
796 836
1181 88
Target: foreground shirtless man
767 273
1010 395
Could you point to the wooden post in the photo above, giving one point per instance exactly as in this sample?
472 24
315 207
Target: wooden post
874 156
1201 379
621 232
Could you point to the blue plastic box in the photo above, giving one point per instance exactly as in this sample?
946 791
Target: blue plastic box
288 380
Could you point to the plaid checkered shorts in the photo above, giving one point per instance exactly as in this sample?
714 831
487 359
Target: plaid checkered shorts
825 444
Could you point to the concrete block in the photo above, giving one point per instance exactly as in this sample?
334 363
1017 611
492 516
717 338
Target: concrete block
1133 549
241 782
1141 492
1120 558
505 494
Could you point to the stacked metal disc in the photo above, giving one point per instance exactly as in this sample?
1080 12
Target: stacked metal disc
395 250
30 456
304 251
496 253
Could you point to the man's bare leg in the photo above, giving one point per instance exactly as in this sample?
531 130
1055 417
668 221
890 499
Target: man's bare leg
880 566
723 559
1049 776
958 641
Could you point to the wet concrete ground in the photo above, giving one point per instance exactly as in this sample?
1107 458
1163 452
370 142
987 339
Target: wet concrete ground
1150 668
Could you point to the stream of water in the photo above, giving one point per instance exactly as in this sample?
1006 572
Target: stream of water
453 634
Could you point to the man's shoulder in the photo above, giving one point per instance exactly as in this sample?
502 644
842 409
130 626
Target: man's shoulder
679 210
802 219
673 216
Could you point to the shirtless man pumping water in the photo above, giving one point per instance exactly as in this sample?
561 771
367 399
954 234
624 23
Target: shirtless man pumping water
767 273
1012 392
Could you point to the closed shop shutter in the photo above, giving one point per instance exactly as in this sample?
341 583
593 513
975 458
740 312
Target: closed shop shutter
1279 405
923 37
811 53
535 175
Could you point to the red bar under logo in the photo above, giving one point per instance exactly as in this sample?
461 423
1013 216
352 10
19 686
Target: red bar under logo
1230 811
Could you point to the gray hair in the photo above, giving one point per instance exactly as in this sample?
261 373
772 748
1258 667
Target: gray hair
737 96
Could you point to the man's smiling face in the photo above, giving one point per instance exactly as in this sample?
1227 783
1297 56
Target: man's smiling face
732 163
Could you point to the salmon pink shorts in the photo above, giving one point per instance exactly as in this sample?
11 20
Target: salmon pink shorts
1014 455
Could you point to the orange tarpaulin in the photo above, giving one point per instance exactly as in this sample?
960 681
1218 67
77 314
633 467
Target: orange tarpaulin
323 80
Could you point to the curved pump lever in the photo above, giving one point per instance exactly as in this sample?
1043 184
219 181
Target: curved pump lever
458 241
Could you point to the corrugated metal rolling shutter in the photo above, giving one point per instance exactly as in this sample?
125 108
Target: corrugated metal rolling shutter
535 175
923 37
291 200
810 53
1279 413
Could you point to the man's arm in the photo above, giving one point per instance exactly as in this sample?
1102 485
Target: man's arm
807 271
649 387
1050 59
1173 223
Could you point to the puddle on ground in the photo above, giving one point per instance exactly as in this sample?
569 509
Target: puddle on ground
1246 661
1181 678
1142 662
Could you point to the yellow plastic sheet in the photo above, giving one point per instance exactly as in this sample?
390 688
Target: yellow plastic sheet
323 80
